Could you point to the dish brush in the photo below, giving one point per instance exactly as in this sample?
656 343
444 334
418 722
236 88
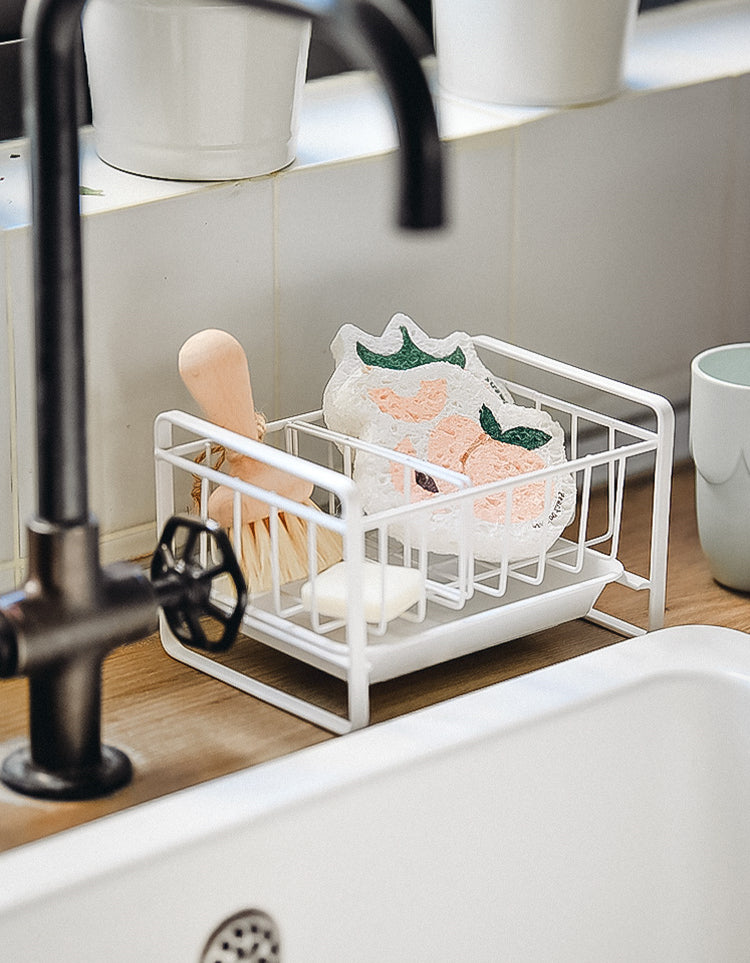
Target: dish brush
214 368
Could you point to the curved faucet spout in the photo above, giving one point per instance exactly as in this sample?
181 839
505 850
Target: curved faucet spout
73 612
373 33
383 35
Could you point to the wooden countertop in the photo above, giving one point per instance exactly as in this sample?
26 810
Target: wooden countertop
181 727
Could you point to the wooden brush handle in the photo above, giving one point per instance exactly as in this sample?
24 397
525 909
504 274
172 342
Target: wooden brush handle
214 368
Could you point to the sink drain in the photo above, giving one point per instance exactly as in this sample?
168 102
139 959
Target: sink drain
250 936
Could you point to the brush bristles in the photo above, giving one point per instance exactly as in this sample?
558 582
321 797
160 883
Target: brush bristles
256 551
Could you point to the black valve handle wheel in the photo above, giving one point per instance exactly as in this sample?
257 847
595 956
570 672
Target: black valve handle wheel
183 582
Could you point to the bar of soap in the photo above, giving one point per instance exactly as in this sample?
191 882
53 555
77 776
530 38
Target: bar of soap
387 591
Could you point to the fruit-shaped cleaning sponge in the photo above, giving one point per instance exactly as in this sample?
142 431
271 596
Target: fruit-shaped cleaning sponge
434 399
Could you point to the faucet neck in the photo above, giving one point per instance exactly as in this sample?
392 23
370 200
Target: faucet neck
51 120
374 33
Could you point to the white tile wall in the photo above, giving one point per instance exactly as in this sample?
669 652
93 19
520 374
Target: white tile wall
8 578
155 274
20 311
616 236
699 41
7 494
342 260
737 244
622 233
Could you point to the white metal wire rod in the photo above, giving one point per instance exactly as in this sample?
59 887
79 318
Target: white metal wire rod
448 591
573 409
273 499
295 421
266 454
371 448
537 579
664 454
574 418
660 519
583 519
538 397
494 591
163 477
612 622
358 669
187 448
447 499
205 484
611 482
539 474
273 531
330 521
617 521
261 690
291 440
300 639
163 433
571 372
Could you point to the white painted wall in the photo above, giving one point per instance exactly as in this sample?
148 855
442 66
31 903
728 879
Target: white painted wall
615 236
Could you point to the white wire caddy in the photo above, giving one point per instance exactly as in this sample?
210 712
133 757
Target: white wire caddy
464 604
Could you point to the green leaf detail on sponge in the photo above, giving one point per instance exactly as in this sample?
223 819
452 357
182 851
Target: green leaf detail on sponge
408 356
528 438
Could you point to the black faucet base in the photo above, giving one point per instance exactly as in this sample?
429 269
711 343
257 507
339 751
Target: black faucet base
22 774
71 612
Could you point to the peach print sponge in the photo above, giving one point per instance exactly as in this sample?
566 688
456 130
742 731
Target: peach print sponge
434 399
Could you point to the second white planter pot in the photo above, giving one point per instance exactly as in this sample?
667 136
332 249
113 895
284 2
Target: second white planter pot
532 52
194 90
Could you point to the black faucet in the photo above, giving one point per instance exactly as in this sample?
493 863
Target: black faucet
72 612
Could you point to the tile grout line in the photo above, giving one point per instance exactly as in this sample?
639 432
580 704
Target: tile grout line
513 269
13 414
275 245
729 210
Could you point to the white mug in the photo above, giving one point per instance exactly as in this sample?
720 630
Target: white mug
720 447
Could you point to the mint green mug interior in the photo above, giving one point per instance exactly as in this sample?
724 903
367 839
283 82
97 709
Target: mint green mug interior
730 364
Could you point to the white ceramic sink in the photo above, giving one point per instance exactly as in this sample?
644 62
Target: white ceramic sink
595 811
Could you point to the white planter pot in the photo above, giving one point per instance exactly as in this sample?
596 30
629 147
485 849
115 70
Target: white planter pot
193 90
532 52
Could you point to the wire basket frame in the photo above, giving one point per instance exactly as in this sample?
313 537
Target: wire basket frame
457 603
